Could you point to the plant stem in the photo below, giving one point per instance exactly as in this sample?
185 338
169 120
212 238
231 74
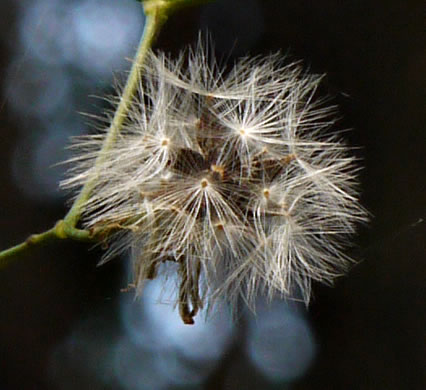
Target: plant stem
65 228
156 13
59 231
154 20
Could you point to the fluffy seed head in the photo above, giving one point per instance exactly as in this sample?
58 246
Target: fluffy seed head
232 177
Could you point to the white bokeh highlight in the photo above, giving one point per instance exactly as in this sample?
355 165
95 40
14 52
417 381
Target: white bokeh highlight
64 52
280 342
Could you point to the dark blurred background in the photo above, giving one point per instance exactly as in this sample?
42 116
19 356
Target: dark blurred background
64 323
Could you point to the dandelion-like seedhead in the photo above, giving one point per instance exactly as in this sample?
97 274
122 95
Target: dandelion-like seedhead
233 176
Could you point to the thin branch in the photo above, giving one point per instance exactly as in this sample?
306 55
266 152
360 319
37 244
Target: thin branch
154 20
58 232
156 13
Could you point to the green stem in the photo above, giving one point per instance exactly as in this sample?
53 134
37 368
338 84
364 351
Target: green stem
156 13
154 20
58 232
6 255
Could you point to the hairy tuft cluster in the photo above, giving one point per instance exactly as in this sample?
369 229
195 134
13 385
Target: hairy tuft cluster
233 177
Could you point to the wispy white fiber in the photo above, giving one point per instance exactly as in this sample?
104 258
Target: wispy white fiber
233 175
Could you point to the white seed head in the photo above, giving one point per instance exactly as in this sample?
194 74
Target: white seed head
234 176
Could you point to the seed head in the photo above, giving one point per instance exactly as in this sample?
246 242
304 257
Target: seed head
234 177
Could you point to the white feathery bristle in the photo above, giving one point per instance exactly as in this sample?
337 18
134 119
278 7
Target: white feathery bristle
235 176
